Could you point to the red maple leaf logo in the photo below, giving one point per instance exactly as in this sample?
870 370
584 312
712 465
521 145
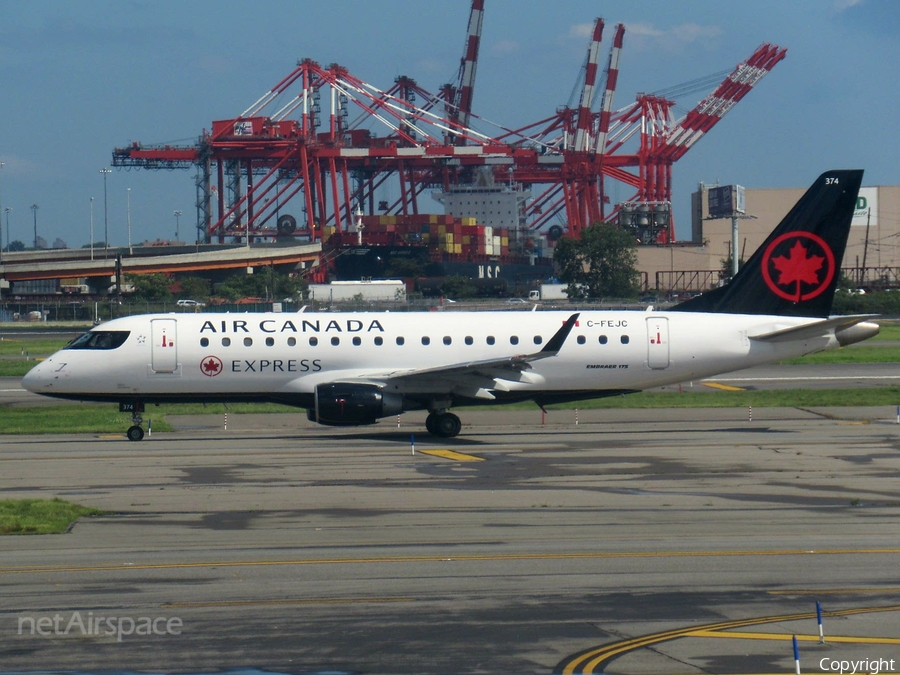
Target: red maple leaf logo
211 366
798 266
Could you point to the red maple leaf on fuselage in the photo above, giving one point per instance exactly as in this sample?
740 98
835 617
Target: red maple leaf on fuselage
798 266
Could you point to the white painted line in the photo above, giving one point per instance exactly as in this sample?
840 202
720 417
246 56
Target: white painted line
801 379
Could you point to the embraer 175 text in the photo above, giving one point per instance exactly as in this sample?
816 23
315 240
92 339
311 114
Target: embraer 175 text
352 369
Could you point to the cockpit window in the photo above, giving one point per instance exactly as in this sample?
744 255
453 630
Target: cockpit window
100 339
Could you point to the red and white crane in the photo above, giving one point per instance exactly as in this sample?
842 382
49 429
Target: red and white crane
284 153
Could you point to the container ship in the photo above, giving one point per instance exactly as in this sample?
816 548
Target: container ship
481 238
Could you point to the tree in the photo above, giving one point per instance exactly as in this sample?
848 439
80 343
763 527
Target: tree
196 288
458 287
150 286
242 285
601 263
263 284
725 271
15 245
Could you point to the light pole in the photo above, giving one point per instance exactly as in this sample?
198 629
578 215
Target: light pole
105 173
92 228
2 164
8 240
177 215
34 210
128 213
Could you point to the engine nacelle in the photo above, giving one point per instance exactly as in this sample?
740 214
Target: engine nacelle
349 404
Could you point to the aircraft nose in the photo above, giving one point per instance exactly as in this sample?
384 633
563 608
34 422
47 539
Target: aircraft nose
38 378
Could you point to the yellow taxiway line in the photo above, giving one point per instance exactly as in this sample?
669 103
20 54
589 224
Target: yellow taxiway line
723 387
442 558
450 454
591 660
297 601
785 637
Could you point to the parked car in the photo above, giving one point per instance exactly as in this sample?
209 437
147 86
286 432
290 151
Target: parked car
190 303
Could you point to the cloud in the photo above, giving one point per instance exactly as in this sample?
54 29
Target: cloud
672 39
581 30
690 32
505 47
643 29
841 5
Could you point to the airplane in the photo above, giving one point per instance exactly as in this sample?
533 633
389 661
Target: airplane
356 368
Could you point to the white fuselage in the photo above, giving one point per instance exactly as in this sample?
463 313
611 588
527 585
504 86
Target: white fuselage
235 356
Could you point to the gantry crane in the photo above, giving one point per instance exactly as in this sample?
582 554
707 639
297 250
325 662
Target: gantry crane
296 148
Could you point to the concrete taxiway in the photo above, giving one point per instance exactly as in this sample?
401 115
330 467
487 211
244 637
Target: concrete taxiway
654 541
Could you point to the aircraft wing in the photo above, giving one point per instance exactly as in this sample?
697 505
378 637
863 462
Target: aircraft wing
472 375
817 329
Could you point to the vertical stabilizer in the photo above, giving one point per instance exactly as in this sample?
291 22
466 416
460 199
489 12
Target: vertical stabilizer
795 272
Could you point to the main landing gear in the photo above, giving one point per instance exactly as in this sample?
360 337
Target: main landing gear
443 424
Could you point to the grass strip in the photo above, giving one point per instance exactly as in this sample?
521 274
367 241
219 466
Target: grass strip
768 398
101 418
39 346
40 516
16 368
72 419
864 353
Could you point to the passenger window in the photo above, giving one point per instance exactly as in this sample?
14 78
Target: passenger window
378 341
270 342
426 340
248 342
292 342
447 340
335 341
624 339
204 342
226 341
581 339
357 341
469 339
313 341
538 339
400 340
490 339
514 339
603 339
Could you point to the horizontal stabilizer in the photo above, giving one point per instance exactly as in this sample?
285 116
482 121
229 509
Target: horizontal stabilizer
816 329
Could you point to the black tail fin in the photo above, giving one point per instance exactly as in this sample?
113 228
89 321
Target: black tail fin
795 272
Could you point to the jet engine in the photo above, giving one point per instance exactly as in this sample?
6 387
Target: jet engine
350 404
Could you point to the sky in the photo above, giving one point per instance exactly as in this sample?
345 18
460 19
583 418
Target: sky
80 79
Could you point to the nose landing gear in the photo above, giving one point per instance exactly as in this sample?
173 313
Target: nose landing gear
135 431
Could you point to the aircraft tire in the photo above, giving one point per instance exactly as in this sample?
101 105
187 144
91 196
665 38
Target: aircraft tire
135 433
431 424
446 425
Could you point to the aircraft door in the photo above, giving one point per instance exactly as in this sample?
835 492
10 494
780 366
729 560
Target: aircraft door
658 343
164 352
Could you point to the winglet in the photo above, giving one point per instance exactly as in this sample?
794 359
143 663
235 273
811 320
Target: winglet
555 343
